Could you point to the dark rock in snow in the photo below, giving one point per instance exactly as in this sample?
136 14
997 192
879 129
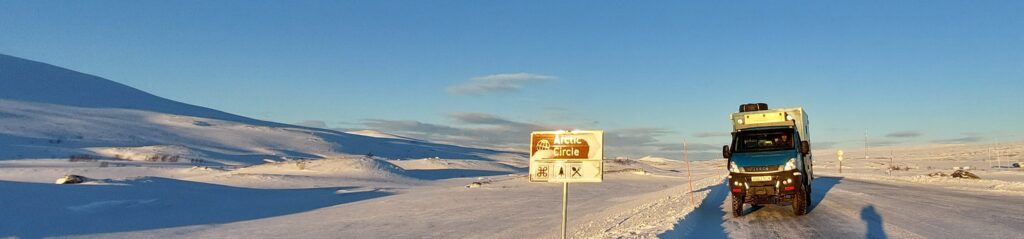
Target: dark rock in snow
71 179
964 174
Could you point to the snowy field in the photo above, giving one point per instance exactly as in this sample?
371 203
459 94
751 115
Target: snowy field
360 197
163 169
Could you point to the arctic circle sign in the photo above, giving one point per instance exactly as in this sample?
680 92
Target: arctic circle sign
566 156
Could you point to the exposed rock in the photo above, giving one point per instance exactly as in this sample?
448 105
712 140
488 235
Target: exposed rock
964 174
71 179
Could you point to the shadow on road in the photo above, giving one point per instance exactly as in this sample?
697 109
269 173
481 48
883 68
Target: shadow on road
706 220
873 221
820 187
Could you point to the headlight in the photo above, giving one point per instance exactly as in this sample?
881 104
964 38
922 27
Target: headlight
733 168
791 164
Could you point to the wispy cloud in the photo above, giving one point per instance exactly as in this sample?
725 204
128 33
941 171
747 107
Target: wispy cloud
497 83
882 143
484 130
961 140
904 134
313 123
710 134
482 119
492 131
412 126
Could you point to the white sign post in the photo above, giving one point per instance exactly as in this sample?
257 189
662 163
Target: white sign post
840 154
566 157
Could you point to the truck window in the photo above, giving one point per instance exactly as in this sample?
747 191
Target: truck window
757 141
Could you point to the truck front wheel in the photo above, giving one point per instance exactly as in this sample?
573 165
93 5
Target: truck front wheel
800 201
737 205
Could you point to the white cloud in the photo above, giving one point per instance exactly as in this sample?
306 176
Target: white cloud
904 134
497 83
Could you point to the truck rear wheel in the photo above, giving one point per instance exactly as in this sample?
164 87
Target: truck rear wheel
800 201
737 205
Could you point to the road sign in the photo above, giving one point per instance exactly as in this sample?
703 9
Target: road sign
840 154
567 156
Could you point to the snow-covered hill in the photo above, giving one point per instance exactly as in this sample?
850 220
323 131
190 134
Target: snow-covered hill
52 112
31 81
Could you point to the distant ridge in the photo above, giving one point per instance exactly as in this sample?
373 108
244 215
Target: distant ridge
32 81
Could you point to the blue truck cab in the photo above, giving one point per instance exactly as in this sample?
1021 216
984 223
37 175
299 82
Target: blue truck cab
769 159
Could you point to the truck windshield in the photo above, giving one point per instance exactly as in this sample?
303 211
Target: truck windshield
757 141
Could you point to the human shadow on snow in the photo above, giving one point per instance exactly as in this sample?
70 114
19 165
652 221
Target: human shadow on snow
873 221
35 210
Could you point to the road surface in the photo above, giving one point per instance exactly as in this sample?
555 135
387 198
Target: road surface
851 208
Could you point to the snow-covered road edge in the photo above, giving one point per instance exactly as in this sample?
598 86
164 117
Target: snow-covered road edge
983 185
651 215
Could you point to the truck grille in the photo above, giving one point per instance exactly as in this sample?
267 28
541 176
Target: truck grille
761 169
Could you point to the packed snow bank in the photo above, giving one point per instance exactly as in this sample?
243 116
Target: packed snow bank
650 218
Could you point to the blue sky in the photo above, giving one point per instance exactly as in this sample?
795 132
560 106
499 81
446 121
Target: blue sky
483 72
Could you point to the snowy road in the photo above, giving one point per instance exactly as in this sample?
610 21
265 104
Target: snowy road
851 208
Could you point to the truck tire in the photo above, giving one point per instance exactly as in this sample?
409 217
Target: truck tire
737 205
800 202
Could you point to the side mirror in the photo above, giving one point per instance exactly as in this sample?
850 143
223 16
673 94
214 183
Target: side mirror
725 152
805 147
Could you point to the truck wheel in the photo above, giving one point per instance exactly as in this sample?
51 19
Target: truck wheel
800 202
737 205
809 192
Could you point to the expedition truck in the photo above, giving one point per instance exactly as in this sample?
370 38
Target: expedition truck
770 158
